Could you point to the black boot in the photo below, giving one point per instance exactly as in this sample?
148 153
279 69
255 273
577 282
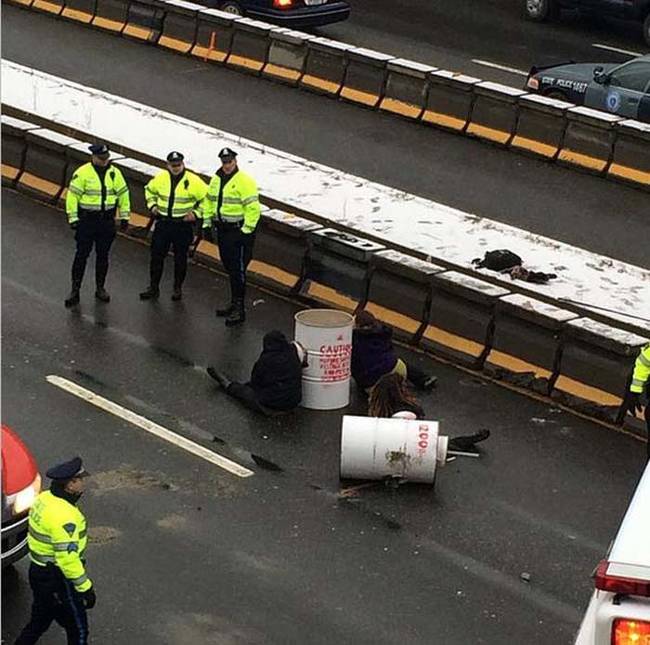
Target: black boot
102 295
151 293
237 316
222 313
177 294
222 379
73 299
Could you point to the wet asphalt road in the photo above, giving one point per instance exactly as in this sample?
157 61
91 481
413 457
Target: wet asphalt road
183 552
570 206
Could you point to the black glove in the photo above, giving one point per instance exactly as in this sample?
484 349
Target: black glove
634 404
207 235
74 225
124 225
89 598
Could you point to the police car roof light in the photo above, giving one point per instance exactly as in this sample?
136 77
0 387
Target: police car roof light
617 584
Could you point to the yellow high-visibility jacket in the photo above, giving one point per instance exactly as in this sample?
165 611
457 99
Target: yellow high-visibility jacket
239 203
87 192
57 535
641 370
187 196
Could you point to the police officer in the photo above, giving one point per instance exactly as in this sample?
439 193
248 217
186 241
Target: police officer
97 189
57 549
173 198
232 206
641 382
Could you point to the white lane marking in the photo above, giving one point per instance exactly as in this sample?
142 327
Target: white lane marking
149 426
503 68
627 52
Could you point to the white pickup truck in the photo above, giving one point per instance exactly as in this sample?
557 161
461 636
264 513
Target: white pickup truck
619 609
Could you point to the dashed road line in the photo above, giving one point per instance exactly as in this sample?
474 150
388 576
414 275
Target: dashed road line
150 426
503 68
609 48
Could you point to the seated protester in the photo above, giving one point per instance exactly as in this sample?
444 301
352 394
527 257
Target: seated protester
276 380
373 355
391 398
391 395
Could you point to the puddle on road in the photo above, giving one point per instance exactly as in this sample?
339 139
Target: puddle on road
186 628
174 522
103 534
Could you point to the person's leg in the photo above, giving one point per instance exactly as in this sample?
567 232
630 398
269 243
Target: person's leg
182 240
160 243
647 425
245 393
84 239
44 606
105 234
224 242
420 379
76 626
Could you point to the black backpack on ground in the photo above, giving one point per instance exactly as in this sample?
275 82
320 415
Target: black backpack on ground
500 260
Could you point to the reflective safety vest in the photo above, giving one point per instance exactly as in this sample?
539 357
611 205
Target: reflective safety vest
88 193
57 535
641 370
239 202
187 196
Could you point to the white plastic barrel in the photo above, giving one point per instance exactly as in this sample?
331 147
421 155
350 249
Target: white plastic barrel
326 334
373 448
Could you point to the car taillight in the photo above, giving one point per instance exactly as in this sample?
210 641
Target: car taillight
23 500
532 83
630 632
620 584
282 4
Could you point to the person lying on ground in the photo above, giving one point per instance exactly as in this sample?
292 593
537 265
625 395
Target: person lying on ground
373 355
391 398
275 385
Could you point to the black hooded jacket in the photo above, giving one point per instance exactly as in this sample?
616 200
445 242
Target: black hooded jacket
277 375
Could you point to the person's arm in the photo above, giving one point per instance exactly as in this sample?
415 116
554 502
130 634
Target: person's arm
65 541
123 195
251 204
73 194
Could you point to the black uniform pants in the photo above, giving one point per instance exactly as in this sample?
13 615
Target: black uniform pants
55 599
98 231
169 233
236 251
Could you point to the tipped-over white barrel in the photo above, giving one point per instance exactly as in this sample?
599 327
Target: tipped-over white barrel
373 448
326 334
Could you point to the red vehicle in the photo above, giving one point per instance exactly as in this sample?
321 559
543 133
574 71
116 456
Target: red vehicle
21 483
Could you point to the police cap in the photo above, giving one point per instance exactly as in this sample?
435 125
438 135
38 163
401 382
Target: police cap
227 154
175 157
68 470
99 149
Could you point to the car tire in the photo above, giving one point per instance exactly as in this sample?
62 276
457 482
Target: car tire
233 8
646 30
541 10
558 95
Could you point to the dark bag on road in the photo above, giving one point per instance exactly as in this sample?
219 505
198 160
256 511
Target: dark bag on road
500 260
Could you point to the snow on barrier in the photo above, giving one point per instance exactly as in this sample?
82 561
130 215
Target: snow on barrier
591 369
589 138
525 346
450 98
325 65
400 291
364 77
79 10
494 113
179 26
326 335
287 55
14 148
337 267
596 367
461 318
250 45
631 158
214 35
405 449
540 126
406 88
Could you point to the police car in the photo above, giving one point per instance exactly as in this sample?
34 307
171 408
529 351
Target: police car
288 13
21 483
619 610
619 89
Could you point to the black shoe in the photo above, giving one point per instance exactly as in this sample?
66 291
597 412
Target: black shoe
429 383
102 294
73 299
222 379
150 294
222 313
177 294
468 443
237 317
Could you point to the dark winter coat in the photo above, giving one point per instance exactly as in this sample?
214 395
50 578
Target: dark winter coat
277 375
372 354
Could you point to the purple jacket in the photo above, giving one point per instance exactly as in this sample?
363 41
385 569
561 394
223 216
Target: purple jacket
372 354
